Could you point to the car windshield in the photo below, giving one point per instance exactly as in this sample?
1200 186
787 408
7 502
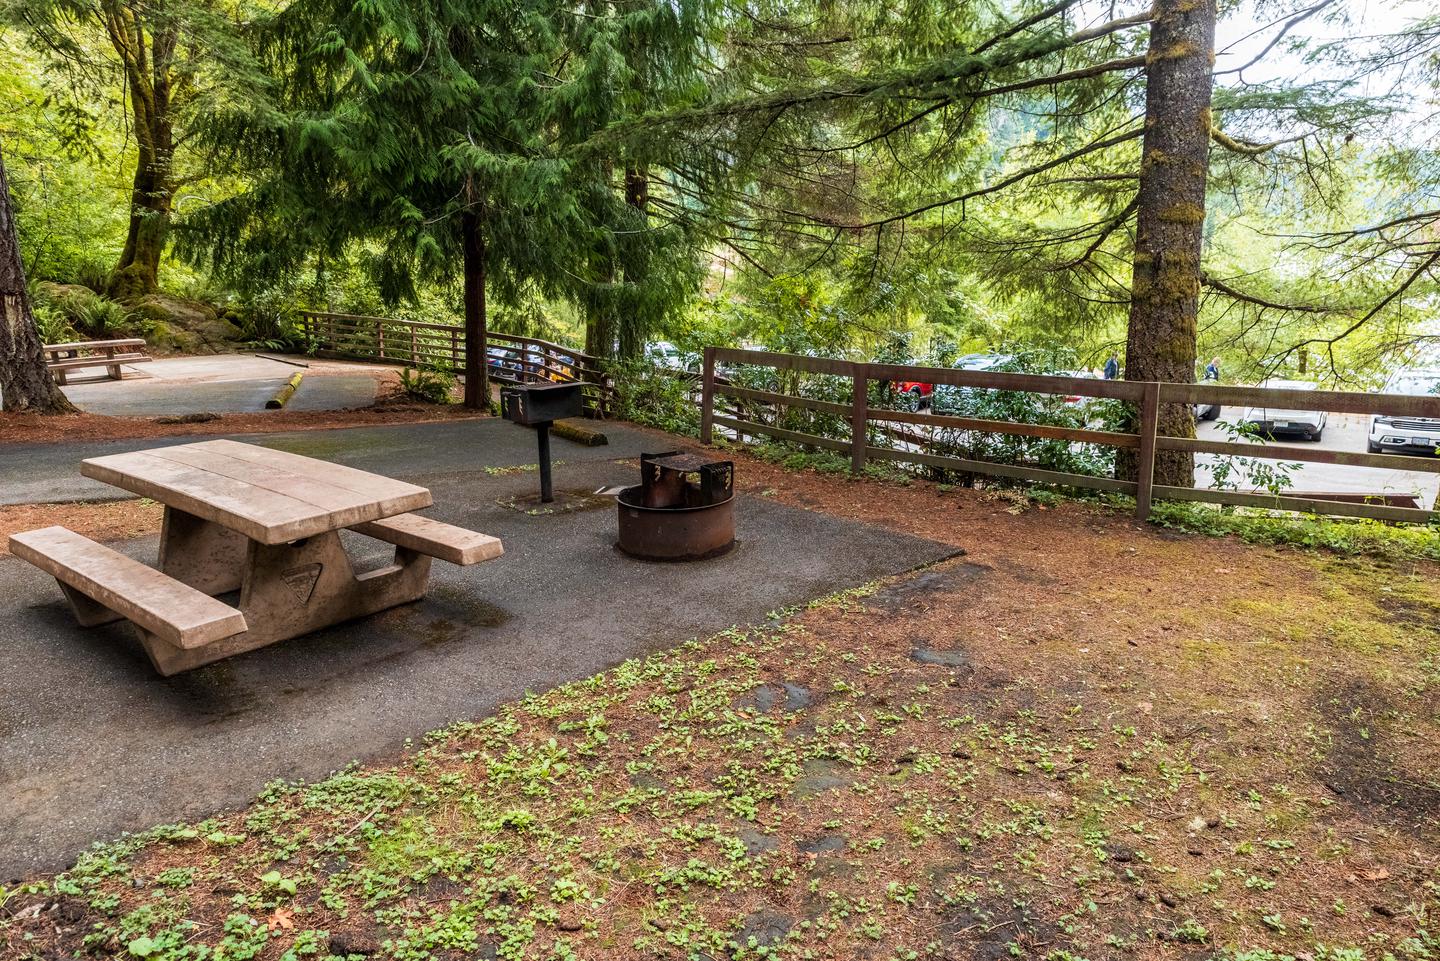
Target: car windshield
1415 383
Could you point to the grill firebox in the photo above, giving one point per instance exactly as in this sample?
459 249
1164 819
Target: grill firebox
683 509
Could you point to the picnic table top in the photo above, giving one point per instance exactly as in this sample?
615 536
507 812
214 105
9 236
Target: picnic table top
270 496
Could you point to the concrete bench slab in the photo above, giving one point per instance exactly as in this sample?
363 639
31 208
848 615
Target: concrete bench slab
153 601
425 535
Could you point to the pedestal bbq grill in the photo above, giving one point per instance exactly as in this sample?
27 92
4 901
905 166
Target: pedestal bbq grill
682 510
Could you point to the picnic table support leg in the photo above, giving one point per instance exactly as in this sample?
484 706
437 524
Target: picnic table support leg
299 588
88 611
200 553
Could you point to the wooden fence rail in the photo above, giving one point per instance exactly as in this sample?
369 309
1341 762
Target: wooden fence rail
521 360
1146 440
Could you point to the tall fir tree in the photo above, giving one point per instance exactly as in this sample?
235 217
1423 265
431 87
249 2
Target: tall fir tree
26 385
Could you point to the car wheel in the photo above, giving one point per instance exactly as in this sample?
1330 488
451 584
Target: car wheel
1373 447
1213 413
1316 434
915 399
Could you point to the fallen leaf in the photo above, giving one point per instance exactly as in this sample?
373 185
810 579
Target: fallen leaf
280 919
1378 874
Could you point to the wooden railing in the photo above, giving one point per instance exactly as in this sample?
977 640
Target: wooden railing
1148 396
523 360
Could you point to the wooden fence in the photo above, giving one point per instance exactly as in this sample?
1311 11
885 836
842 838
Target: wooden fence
1146 395
522 360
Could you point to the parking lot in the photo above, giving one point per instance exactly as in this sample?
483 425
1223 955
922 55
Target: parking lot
1342 432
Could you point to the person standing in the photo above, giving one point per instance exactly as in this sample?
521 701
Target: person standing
1112 368
1212 369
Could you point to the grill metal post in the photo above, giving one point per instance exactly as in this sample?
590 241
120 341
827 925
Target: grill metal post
542 433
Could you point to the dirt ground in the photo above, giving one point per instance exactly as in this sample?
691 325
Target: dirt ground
1086 738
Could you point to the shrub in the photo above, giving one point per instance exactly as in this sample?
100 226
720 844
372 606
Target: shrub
99 316
429 384
94 274
657 397
51 323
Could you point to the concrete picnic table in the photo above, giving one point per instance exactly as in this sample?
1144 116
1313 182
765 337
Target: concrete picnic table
263 522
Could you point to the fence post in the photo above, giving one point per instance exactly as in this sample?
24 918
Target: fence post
455 349
1145 461
859 427
380 335
707 396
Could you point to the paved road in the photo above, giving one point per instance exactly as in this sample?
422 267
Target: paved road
222 383
93 743
1342 432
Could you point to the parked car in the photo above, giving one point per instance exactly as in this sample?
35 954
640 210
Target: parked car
921 394
1412 435
1207 411
1274 421
662 353
504 360
1079 400
559 368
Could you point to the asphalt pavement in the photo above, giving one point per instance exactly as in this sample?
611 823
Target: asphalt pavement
93 743
221 384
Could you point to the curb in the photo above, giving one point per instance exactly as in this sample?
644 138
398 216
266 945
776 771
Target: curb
578 433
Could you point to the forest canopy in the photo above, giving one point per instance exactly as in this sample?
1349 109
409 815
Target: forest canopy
1169 180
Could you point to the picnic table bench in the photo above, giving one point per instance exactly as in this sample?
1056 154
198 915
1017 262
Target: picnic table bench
260 522
110 354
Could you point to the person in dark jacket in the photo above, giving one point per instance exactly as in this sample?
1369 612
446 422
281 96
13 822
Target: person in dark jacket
1112 368
1212 369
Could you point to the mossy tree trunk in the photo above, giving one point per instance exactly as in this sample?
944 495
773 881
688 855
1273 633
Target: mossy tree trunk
1165 286
24 380
147 58
637 197
477 371
600 319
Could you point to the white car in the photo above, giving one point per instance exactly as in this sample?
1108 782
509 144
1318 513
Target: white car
1273 421
1413 435
662 353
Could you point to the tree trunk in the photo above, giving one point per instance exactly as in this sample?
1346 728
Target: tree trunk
477 385
147 73
25 383
1165 286
633 332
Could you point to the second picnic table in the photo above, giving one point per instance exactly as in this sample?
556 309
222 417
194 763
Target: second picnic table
263 522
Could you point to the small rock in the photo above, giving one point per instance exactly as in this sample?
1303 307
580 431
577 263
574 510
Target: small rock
1384 910
354 942
756 841
821 844
1196 852
1120 853
568 922
927 655
1168 899
765 928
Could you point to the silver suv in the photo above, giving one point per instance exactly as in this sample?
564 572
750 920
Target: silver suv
1413 435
